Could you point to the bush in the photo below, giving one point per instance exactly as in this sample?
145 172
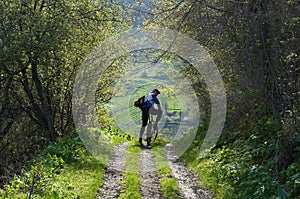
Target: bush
36 178
68 148
248 167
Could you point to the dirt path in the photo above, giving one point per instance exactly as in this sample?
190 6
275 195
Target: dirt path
112 186
150 187
187 181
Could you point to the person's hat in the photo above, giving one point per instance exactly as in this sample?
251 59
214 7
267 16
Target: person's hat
156 90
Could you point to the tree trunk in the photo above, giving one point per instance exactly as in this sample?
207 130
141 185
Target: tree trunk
46 107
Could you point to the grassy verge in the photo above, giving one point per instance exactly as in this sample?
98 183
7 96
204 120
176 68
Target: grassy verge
132 178
79 180
210 172
65 170
169 185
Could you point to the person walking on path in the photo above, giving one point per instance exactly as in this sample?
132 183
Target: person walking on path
147 109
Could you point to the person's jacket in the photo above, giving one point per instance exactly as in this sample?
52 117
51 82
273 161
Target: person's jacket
149 100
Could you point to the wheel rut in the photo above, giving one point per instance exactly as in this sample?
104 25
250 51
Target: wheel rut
150 187
187 181
111 187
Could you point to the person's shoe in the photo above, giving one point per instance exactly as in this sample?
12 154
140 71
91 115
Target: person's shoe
149 142
141 142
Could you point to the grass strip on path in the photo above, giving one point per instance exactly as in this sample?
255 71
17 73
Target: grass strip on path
131 176
169 186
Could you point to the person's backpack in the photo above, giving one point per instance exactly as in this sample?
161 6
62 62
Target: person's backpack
139 103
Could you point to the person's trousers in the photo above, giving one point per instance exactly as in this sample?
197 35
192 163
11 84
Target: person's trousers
145 117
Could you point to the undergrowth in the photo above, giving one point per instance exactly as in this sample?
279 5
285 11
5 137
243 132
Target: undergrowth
65 169
246 168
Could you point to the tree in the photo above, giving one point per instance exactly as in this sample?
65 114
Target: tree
42 45
255 45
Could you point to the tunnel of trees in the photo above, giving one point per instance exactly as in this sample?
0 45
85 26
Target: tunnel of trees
254 43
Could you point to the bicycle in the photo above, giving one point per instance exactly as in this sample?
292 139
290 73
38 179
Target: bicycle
152 132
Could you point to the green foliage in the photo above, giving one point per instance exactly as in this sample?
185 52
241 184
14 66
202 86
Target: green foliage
69 148
247 168
291 179
54 195
80 179
36 178
64 170
3 194
116 136
258 148
43 43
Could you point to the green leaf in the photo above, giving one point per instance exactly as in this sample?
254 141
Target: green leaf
298 139
4 195
281 193
294 177
54 195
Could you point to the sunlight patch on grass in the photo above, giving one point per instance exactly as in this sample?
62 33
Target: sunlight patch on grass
169 186
80 180
132 178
